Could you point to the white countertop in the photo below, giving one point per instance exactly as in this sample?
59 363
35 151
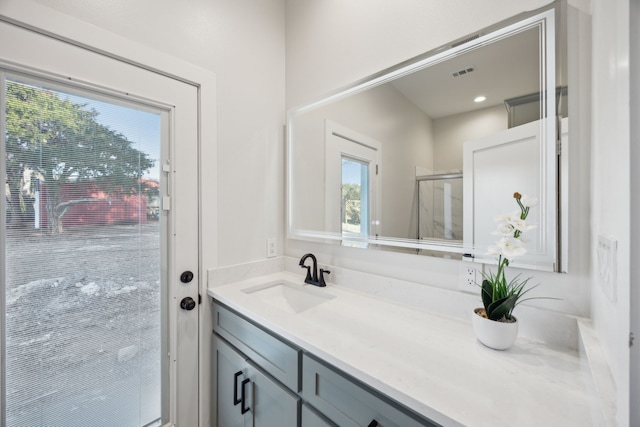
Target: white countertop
430 363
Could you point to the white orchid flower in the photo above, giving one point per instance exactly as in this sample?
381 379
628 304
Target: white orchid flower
510 247
521 225
504 229
528 201
506 218
494 250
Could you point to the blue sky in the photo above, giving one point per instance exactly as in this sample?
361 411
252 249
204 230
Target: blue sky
351 172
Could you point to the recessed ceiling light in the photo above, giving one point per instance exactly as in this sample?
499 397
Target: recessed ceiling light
480 99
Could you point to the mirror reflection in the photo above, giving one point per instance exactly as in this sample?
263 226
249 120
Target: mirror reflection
383 163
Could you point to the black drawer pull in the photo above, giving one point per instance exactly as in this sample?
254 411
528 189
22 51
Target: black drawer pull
244 410
373 423
235 388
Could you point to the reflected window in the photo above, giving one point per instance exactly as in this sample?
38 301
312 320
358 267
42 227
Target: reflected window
355 197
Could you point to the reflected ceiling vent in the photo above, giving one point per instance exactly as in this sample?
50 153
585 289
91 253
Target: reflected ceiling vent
464 71
467 40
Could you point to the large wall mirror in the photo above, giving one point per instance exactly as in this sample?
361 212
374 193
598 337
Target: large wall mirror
421 157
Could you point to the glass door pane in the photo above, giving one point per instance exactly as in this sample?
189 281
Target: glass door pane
440 213
83 292
355 197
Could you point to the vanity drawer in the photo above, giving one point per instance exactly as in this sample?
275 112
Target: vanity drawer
271 354
311 418
349 404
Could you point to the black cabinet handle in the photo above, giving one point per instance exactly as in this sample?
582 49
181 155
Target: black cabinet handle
235 388
373 423
244 410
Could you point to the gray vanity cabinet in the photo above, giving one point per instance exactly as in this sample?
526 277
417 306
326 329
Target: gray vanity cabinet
245 397
276 385
272 354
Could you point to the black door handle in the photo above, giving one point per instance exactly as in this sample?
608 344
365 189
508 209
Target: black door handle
235 388
188 303
373 423
243 396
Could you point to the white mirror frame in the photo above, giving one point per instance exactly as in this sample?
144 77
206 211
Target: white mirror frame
546 254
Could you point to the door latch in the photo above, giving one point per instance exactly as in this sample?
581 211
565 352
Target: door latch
187 303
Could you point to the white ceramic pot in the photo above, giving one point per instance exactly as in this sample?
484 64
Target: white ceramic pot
495 335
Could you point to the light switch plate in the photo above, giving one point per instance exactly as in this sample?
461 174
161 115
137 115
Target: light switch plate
607 264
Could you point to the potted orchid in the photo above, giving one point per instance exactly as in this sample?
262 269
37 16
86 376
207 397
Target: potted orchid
494 323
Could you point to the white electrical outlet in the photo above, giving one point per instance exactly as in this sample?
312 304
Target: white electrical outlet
271 247
470 277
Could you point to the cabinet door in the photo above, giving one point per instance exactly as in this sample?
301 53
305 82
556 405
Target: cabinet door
271 404
229 370
246 397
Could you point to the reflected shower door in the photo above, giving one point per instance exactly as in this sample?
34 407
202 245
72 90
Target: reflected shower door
440 213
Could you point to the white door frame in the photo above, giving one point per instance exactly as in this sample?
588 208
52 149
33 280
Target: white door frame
634 392
43 20
341 140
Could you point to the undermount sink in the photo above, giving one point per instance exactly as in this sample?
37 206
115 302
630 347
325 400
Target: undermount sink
289 297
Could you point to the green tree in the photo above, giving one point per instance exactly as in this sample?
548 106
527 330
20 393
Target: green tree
60 144
350 192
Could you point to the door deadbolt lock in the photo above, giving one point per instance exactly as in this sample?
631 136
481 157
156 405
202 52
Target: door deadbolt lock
187 303
186 277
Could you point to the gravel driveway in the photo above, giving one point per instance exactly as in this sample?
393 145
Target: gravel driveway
83 327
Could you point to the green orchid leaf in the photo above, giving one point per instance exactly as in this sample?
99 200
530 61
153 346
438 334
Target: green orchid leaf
492 308
502 308
487 294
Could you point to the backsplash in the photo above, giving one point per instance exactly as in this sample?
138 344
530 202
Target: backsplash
235 273
556 329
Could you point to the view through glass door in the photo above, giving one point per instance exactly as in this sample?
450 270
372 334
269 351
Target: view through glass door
85 297
355 197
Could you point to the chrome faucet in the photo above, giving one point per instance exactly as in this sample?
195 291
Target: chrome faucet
313 279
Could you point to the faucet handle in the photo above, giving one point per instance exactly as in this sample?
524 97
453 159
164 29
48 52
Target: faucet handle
308 278
321 280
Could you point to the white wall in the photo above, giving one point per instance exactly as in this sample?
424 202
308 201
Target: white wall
450 133
611 191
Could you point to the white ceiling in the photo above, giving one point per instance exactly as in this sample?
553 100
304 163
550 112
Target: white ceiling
504 69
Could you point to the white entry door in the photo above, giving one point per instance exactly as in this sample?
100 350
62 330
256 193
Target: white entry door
99 246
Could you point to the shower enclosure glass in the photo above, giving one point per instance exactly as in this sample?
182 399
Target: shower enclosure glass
439 206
